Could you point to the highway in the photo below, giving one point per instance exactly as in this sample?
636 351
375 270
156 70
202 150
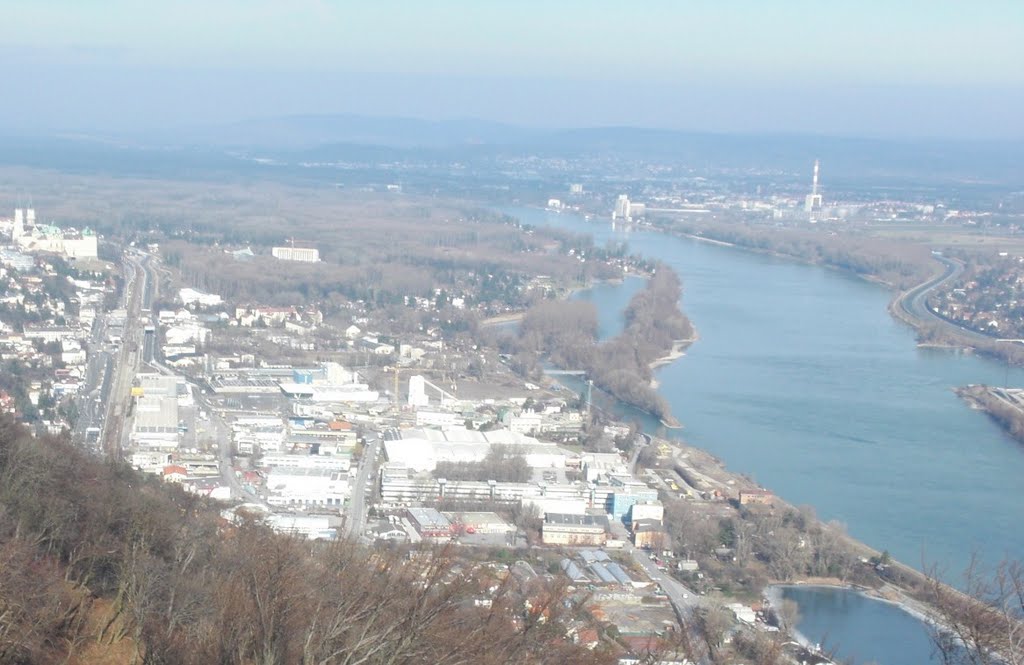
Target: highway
914 303
95 388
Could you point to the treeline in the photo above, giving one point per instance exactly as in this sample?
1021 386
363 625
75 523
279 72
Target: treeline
763 546
502 464
900 265
380 254
943 335
565 332
1008 416
99 564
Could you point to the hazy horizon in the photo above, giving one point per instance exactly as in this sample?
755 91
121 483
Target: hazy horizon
888 70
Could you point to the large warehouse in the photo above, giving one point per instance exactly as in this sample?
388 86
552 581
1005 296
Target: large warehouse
422 449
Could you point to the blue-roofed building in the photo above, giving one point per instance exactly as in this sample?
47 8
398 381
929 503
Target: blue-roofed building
573 572
618 573
602 573
622 501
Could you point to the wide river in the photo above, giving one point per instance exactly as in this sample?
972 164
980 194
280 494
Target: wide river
803 380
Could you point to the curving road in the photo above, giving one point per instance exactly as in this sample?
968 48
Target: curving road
913 303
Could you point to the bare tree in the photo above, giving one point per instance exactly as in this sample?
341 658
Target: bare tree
984 623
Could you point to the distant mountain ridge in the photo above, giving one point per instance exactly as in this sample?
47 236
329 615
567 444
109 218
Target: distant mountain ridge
350 137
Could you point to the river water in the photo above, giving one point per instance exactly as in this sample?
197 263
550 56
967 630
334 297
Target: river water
802 380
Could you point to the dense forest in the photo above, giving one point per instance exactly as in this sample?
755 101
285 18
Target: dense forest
382 255
99 564
566 333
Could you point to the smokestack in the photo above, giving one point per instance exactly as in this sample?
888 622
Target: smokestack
814 185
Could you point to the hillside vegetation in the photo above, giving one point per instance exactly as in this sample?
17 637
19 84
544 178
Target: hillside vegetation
566 333
101 565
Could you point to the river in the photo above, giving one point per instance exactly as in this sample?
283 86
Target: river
802 380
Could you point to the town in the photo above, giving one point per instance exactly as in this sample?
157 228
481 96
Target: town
347 431
433 417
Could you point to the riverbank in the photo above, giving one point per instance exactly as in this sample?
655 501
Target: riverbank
1000 404
677 351
872 437
870 573
933 330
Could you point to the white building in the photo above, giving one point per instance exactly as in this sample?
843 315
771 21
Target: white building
307 487
150 461
314 527
155 423
597 466
31 237
190 296
353 392
303 254
422 449
527 422
440 419
647 510
306 461
418 392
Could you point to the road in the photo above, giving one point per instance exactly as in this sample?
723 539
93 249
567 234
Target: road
683 600
221 433
914 304
355 515
95 388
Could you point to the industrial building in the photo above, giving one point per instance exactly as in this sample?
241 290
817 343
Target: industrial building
156 420
314 527
401 485
429 523
307 487
559 529
647 510
422 449
813 201
341 462
626 493
478 522
649 534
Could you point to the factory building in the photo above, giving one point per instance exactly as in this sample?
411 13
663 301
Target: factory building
307 487
559 529
422 449
429 523
306 461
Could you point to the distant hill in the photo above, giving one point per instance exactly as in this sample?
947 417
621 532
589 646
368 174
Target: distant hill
309 131
230 148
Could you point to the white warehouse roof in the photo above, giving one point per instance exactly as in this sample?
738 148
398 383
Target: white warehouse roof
422 449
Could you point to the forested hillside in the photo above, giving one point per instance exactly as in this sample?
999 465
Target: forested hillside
101 565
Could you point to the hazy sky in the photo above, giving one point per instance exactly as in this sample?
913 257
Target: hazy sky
865 67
